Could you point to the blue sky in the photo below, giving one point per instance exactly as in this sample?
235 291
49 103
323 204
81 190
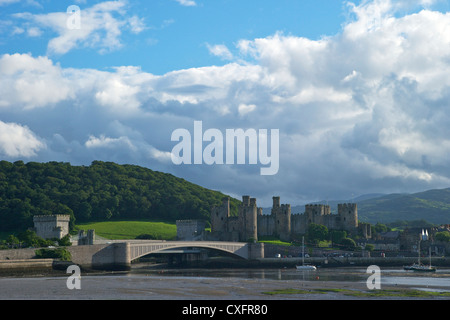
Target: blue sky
177 36
358 90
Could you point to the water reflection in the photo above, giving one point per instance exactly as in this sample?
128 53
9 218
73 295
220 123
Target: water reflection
388 276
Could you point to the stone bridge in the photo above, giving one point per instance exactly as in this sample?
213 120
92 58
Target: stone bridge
120 254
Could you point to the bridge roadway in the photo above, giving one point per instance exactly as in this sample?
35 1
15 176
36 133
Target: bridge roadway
120 254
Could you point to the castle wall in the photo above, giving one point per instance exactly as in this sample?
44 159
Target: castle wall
251 223
266 225
190 230
298 224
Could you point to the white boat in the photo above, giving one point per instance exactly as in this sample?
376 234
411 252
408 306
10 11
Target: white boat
306 267
422 268
303 266
419 266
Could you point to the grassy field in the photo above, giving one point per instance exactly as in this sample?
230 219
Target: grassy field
117 230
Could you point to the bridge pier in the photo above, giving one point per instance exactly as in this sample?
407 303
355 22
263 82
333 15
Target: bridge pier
122 256
255 251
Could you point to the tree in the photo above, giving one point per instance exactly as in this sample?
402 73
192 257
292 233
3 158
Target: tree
348 244
30 239
58 253
317 232
381 228
337 236
101 191
12 240
65 241
442 236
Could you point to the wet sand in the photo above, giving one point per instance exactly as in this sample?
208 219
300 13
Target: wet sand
144 287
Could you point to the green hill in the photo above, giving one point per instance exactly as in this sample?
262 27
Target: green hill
432 206
103 191
116 230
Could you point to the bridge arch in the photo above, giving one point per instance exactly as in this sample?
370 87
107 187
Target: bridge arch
140 249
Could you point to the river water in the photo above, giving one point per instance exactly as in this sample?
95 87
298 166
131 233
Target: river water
145 282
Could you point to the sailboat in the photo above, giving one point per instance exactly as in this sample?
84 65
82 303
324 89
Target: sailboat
303 266
419 266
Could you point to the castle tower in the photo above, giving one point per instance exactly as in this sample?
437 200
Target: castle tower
282 216
51 226
220 215
248 219
276 202
316 213
348 213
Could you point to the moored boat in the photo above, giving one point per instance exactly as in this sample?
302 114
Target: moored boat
419 266
305 267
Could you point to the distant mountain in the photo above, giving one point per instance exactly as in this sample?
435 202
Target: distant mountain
432 206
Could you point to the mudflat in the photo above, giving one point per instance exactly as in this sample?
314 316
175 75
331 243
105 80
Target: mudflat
151 287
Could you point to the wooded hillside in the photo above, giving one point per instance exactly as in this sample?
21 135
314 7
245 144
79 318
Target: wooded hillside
101 191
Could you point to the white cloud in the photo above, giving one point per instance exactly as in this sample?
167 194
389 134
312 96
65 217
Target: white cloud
106 142
18 141
137 25
31 82
34 32
368 106
117 95
246 108
100 27
6 2
220 51
187 3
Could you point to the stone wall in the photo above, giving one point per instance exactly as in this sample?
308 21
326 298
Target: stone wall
190 230
17 254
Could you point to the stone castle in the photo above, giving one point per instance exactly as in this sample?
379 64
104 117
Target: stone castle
51 226
251 223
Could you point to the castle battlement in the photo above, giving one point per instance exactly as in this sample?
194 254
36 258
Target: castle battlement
348 206
54 217
251 223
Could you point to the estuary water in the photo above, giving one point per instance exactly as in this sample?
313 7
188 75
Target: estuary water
144 282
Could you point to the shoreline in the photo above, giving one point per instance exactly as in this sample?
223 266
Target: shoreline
154 282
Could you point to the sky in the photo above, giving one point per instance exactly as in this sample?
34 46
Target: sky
358 90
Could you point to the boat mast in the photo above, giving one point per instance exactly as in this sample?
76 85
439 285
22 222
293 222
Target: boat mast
303 251
430 255
419 249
